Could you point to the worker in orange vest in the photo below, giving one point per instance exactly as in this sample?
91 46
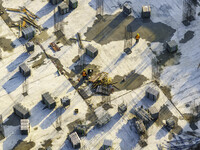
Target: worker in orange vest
137 37
84 74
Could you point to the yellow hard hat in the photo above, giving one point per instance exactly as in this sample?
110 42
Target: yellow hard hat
137 33
83 69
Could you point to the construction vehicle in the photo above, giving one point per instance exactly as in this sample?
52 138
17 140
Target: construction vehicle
54 47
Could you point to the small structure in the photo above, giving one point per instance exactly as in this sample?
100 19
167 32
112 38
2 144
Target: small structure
73 3
81 130
91 51
75 140
103 120
2 133
30 46
172 46
154 112
127 9
104 90
28 32
142 114
170 123
65 101
21 111
107 144
152 94
139 125
25 126
63 8
146 11
122 108
54 2
48 100
23 68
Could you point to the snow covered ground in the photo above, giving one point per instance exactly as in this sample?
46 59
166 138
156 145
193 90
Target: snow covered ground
183 78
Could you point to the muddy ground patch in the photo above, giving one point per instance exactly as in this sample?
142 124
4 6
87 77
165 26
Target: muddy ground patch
6 44
112 28
24 145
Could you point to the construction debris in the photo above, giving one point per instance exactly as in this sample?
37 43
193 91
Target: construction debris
75 140
25 126
48 100
21 111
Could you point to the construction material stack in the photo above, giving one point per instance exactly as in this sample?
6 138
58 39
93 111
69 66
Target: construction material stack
73 4
63 8
21 111
54 2
28 33
24 70
48 100
29 46
25 126
91 51
65 101
75 140
127 9
146 11
172 46
122 108
152 94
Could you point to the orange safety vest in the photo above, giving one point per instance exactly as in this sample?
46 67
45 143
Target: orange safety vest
137 37
84 74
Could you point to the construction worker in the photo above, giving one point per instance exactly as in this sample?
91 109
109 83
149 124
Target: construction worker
84 74
137 37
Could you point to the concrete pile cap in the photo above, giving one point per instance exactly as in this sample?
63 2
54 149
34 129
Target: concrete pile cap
24 67
152 91
63 5
22 109
74 138
91 48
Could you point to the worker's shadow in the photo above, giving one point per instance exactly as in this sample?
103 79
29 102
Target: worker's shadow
82 80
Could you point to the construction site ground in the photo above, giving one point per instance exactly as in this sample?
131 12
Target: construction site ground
59 72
